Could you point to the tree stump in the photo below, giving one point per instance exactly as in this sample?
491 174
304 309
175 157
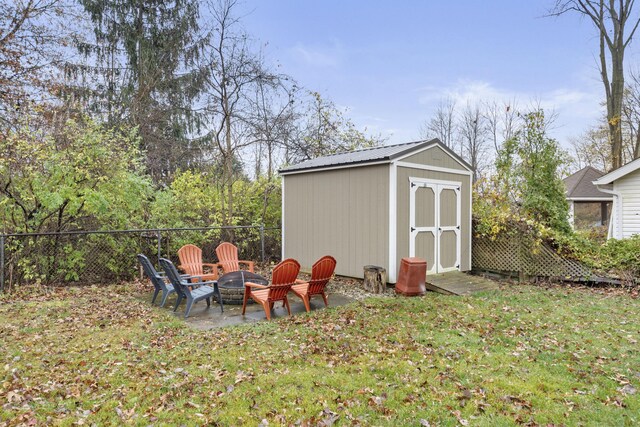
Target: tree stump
375 279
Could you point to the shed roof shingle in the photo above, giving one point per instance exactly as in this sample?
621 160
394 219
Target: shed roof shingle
367 155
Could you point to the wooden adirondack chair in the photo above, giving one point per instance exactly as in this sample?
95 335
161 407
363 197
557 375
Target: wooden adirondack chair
157 279
191 263
228 258
321 273
283 277
200 291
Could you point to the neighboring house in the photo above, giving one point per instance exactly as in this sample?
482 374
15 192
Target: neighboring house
624 185
588 206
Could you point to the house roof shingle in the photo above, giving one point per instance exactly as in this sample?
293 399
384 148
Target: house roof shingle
580 185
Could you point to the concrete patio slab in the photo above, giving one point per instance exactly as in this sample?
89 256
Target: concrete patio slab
205 318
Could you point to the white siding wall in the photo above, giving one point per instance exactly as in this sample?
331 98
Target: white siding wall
629 188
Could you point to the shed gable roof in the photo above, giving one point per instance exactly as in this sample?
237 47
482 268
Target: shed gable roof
580 185
619 173
386 153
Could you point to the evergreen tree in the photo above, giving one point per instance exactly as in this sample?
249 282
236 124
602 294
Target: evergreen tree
143 58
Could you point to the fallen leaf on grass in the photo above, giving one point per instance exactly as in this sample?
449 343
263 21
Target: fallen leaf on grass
615 401
461 420
628 389
464 397
242 376
328 417
517 402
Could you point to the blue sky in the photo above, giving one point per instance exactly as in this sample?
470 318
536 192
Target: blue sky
390 63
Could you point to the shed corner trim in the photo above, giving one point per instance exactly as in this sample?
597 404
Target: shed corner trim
393 223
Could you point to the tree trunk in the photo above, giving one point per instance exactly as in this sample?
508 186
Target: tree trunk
612 19
615 114
636 150
270 161
228 163
375 279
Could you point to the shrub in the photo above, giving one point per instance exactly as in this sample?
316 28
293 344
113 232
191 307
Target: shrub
617 258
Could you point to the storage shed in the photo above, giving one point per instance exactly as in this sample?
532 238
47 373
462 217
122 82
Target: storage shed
376 206
624 185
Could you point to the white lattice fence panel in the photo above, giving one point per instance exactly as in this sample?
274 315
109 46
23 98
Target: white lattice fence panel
511 253
501 254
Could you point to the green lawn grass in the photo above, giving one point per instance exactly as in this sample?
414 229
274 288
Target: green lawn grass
525 355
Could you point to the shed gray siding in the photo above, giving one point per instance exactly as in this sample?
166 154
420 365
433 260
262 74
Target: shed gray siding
435 156
342 212
402 230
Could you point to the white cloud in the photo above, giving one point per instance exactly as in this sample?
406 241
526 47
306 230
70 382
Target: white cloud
473 91
576 108
462 92
319 56
374 119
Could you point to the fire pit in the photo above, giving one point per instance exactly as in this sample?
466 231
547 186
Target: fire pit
231 285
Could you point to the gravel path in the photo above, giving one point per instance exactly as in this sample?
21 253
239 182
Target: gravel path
347 286
353 288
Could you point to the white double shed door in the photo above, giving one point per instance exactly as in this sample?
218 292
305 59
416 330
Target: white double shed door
434 220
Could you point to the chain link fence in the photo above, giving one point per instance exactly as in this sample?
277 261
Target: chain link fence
90 257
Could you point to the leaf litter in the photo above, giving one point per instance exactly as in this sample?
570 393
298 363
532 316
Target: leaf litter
516 356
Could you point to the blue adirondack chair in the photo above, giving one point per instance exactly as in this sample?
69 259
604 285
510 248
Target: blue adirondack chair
158 279
192 292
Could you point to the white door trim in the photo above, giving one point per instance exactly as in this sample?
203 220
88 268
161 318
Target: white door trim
414 185
454 228
436 230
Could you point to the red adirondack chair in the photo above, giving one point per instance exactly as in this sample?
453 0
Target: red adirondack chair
283 277
191 263
228 258
321 273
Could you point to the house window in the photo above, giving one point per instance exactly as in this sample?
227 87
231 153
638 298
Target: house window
591 214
